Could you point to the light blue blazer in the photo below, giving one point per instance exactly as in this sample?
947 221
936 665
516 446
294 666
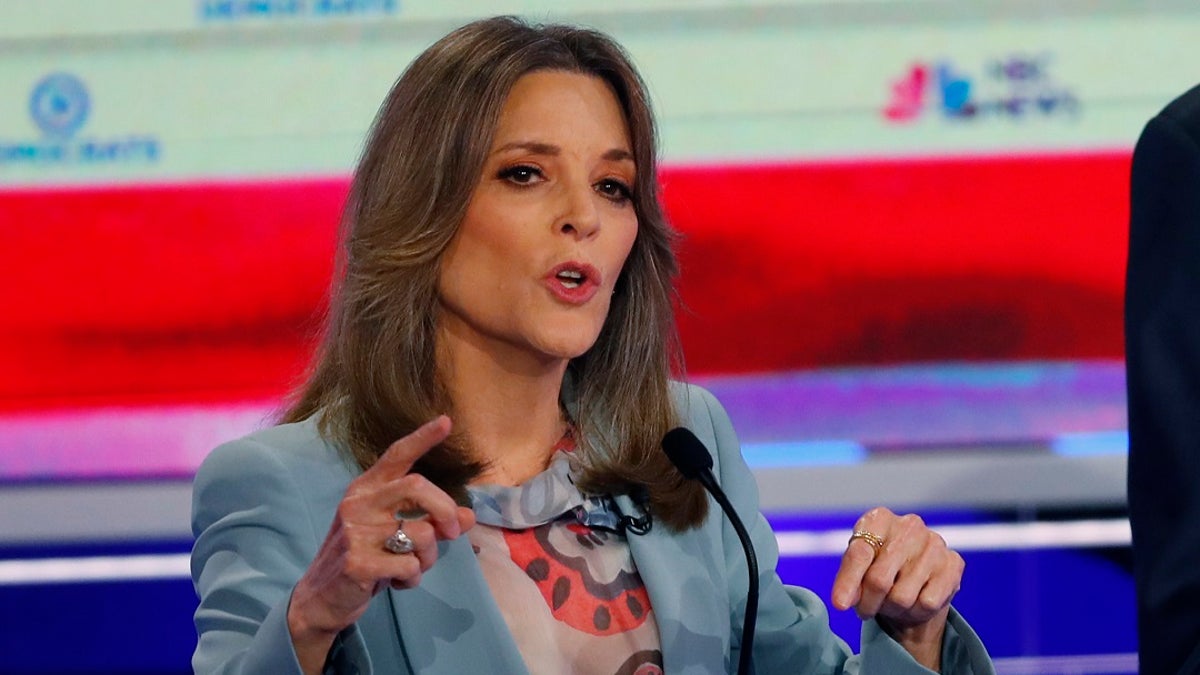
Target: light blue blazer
263 504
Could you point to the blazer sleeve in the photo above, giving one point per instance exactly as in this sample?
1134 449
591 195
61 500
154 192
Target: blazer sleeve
793 633
1162 352
255 538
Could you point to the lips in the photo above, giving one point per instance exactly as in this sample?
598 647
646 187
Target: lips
573 282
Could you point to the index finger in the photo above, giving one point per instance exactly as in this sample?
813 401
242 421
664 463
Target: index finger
847 585
859 555
400 456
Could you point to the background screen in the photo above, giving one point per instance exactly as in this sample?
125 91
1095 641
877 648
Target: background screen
904 229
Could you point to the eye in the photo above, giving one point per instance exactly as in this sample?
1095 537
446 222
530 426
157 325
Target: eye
521 174
615 190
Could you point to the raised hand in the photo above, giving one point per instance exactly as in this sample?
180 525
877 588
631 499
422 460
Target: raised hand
354 562
900 572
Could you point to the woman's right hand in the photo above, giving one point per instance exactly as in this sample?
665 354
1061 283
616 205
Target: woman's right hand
352 564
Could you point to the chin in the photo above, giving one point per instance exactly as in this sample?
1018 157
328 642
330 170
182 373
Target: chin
569 347
572 352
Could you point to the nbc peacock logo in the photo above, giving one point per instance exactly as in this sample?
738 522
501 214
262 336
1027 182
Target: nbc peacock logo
1014 87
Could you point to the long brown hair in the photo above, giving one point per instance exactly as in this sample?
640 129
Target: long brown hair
375 378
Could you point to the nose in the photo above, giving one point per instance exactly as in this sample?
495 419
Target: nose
580 212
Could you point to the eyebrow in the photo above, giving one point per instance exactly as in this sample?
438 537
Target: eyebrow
538 148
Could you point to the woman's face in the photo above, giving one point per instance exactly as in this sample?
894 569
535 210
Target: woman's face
531 270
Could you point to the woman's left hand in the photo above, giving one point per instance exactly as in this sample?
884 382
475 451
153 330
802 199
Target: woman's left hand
906 583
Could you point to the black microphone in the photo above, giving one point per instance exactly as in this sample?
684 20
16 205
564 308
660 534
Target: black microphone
693 460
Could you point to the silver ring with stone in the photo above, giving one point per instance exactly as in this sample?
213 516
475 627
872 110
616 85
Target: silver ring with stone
399 543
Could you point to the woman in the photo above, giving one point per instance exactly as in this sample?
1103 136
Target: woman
504 311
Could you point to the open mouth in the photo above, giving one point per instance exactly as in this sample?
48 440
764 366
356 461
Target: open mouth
570 278
574 282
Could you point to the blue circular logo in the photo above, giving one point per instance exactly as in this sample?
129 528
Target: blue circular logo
59 104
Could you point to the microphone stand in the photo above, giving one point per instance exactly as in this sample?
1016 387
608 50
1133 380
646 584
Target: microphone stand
694 461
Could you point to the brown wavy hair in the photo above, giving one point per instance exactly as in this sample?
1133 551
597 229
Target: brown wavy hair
375 378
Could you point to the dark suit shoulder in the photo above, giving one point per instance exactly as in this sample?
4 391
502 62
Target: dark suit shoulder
1186 106
1166 166
1184 112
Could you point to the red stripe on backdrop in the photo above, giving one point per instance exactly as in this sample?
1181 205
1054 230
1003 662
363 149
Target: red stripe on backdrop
862 263
212 291
164 293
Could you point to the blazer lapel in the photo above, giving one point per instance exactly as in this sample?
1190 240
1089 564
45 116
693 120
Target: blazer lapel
450 624
684 578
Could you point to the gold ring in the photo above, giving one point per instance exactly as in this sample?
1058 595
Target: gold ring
871 538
